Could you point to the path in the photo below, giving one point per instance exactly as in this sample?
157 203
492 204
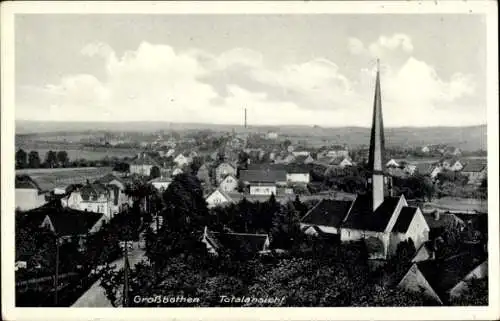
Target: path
95 296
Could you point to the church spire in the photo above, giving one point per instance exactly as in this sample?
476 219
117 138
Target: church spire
376 157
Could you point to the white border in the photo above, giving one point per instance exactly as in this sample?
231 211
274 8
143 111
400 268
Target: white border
9 312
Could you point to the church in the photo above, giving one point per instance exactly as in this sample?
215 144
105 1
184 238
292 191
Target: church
382 220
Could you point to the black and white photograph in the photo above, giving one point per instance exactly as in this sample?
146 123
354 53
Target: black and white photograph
202 156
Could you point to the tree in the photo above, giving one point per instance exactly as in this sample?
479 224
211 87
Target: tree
21 159
62 157
155 172
33 159
195 165
51 159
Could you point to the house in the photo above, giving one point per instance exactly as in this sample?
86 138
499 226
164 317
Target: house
263 181
452 164
250 243
341 162
392 163
219 198
181 160
396 172
427 251
300 153
428 169
272 135
337 151
203 174
410 169
177 171
161 183
297 174
170 153
425 149
304 159
223 170
285 159
94 197
440 222
229 184
29 194
112 181
475 170
143 164
381 221
442 280
65 222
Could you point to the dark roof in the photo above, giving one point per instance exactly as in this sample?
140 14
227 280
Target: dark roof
144 159
301 158
404 219
443 275
109 178
327 213
474 166
266 166
294 168
252 242
93 190
424 168
66 221
445 220
362 217
263 176
25 181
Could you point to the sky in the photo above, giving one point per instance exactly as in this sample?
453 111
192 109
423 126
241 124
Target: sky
314 69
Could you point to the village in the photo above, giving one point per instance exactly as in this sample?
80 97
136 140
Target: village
253 200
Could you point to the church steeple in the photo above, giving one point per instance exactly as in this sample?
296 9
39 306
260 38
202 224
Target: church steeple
376 157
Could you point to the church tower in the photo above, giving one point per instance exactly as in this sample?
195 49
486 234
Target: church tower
376 157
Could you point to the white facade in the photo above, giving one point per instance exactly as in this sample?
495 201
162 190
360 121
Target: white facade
28 199
298 178
392 163
301 153
223 170
177 171
217 199
161 185
310 230
141 169
181 160
262 190
102 204
229 184
337 153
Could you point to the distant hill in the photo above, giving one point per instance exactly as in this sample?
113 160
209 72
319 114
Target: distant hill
467 138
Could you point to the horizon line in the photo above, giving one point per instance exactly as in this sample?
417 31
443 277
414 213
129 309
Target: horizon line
240 125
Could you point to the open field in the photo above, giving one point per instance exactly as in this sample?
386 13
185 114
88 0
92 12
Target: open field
469 138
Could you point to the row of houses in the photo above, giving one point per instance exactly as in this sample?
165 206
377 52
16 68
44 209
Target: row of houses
474 169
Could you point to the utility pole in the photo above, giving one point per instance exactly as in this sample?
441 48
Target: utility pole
56 276
126 268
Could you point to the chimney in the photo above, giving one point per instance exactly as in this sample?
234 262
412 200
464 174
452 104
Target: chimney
245 118
436 215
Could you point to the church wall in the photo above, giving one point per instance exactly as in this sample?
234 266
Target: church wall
347 235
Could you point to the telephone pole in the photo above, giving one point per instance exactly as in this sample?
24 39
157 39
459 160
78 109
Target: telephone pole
56 276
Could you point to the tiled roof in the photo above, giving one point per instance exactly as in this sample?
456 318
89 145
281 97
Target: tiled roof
251 242
263 176
443 275
26 182
144 159
362 217
474 166
49 179
66 221
109 178
297 169
327 213
424 168
94 190
404 219
444 221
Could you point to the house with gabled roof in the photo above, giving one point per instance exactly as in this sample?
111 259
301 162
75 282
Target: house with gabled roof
303 159
29 194
428 169
229 184
161 183
378 218
143 164
94 197
263 181
182 160
219 198
203 174
442 280
224 169
475 170
250 243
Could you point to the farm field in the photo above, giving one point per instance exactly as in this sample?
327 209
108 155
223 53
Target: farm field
75 153
459 204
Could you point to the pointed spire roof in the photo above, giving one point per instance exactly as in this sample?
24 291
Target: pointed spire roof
377 140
